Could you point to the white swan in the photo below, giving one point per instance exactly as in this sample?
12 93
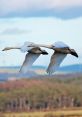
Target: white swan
31 56
60 52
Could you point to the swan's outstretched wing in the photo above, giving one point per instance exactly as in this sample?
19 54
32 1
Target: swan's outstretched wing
55 61
60 44
29 60
26 47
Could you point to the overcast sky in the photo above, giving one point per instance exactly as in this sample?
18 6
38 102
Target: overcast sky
40 21
33 8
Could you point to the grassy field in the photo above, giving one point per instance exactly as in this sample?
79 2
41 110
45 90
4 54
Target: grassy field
59 113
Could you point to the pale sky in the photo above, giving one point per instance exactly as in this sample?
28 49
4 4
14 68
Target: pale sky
15 31
43 22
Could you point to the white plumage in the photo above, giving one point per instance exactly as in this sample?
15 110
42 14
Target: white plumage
55 62
26 47
29 60
31 56
59 44
60 51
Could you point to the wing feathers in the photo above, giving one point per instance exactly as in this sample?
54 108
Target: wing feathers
59 44
55 61
29 60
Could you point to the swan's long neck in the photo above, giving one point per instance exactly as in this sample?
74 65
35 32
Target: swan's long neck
42 45
9 48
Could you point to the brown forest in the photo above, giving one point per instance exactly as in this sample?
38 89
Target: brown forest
40 93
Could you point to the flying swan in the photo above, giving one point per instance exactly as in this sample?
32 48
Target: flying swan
60 52
31 56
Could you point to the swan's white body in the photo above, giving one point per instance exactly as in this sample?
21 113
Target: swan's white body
60 52
31 56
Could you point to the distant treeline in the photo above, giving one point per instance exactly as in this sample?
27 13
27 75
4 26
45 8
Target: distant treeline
40 93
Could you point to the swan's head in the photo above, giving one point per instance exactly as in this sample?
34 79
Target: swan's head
7 48
73 52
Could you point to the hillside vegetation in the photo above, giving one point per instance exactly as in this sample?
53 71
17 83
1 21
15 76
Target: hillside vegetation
40 93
